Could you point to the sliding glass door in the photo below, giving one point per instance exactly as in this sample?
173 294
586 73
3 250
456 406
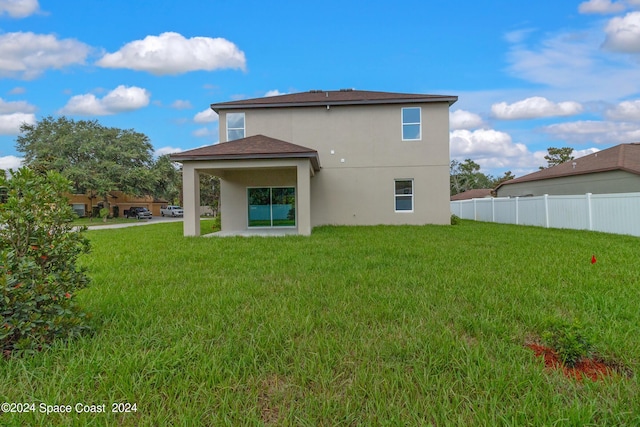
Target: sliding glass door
272 207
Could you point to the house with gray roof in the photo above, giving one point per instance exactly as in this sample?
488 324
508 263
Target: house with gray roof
344 157
477 193
614 170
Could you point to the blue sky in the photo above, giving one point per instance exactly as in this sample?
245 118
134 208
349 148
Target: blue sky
529 75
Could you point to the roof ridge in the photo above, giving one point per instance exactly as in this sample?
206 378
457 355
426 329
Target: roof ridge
333 98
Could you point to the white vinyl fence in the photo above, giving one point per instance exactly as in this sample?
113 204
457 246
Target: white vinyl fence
610 213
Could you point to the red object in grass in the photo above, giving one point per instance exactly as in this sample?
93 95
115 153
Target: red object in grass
590 368
593 259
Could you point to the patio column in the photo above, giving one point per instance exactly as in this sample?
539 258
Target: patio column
191 199
303 197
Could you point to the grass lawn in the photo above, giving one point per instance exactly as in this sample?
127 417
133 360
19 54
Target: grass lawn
350 326
93 222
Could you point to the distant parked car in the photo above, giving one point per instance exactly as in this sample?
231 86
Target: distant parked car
171 211
138 212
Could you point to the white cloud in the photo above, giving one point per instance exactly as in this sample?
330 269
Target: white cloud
172 53
10 162
623 34
206 116
18 8
461 119
626 110
18 90
572 65
601 7
27 55
518 36
16 107
119 100
534 107
181 104
10 123
204 133
167 150
274 92
597 132
490 149
555 62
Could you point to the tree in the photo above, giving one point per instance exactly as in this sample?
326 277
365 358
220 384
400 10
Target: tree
467 176
506 177
39 276
556 156
167 177
96 159
210 192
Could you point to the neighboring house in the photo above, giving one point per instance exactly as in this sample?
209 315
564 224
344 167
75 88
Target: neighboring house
614 170
478 193
83 204
342 157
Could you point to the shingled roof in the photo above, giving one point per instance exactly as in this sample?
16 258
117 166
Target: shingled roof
625 157
477 193
331 98
252 147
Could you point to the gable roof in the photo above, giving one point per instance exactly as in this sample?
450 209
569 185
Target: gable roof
625 157
252 147
332 97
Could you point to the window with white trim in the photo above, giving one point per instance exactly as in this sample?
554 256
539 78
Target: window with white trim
404 195
411 124
235 126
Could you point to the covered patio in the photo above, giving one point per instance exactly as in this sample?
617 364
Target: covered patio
265 185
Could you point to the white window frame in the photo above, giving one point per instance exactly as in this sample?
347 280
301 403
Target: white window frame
244 128
419 123
395 195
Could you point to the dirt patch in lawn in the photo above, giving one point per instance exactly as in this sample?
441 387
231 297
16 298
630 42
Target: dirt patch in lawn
593 368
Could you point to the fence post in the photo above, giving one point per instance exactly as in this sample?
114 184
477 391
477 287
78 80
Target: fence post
493 210
517 213
475 215
589 212
546 211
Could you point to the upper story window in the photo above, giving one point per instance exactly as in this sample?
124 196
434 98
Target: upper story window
235 126
411 124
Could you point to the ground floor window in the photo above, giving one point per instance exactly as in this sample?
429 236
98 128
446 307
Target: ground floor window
404 195
272 207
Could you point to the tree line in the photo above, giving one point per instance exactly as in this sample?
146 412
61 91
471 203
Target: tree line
99 160
465 176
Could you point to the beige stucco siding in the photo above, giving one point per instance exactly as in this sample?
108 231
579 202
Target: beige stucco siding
596 183
362 135
361 153
366 196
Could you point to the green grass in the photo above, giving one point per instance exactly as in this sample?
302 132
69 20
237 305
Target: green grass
86 221
350 326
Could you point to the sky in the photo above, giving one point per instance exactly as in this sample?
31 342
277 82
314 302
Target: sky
529 75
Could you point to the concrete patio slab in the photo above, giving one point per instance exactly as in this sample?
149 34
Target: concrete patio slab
263 232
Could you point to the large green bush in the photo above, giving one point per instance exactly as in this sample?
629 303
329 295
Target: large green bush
39 275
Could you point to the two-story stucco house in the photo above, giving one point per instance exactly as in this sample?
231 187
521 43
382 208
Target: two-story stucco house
344 157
